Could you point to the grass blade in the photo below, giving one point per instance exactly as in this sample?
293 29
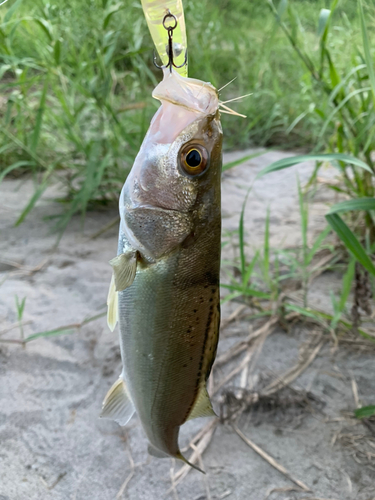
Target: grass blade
350 241
365 412
323 21
35 197
12 10
14 166
249 270
241 236
234 163
356 204
64 330
304 311
251 292
295 160
39 117
319 240
366 46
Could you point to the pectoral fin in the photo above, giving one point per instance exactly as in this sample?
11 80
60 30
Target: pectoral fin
117 404
112 303
124 268
202 406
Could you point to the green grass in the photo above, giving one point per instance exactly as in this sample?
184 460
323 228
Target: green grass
76 80
265 282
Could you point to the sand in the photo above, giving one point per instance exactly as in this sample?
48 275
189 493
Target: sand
52 443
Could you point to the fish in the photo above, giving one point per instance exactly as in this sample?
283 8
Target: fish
164 290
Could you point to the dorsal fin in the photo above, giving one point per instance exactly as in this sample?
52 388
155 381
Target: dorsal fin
117 404
202 406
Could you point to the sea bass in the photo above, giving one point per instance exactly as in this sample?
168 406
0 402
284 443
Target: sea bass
165 285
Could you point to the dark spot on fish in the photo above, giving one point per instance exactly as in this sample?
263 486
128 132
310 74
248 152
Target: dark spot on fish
211 299
199 374
195 310
211 307
213 290
191 359
206 286
184 366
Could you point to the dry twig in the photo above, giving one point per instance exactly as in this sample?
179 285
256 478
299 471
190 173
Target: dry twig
130 475
21 269
173 488
355 393
232 317
269 459
13 326
244 344
287 489
201 465
294 372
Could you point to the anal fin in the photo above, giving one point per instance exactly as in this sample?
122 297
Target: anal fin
117 404
202 406
124 268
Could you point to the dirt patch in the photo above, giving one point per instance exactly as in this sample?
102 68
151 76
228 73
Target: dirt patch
53 445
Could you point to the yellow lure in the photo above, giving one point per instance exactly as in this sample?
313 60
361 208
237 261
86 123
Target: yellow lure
154 11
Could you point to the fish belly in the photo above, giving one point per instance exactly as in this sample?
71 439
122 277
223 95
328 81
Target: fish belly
169 321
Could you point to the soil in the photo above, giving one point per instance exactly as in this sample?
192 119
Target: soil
54 446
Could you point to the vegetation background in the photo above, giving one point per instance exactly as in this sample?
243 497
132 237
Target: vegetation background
76 80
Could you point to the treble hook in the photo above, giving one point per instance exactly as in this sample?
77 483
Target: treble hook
170 30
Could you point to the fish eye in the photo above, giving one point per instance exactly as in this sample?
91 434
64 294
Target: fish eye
194 159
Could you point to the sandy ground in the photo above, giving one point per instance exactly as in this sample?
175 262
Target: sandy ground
54 446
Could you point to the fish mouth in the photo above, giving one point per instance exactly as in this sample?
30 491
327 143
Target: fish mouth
189 93
184 100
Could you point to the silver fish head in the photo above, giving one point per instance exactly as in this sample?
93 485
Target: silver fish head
175 179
